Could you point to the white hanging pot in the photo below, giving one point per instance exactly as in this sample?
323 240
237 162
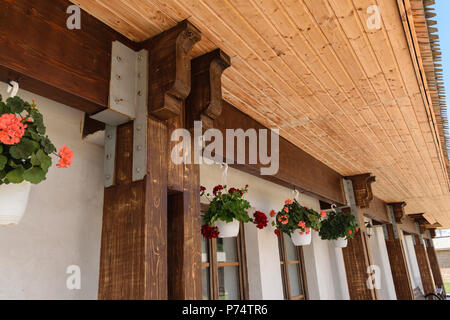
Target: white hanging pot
301 239
13 202
227 230
340 243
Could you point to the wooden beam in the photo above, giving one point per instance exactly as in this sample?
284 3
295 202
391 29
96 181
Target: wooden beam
205 99
424 266
68 66
139 259
434 264
297 169
356 255
399 267
362 189
170 83
399 210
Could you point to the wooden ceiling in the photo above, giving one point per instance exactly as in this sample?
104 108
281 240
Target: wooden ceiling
353 97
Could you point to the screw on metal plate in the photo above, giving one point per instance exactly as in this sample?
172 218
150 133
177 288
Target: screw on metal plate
118 100
119 58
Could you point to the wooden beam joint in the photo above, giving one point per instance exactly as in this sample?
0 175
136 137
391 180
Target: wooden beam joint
205 100
362 188
399 211
170 69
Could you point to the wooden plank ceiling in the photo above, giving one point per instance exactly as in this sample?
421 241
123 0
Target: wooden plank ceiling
349 96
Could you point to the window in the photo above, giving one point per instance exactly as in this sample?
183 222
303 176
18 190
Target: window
224 268
292 269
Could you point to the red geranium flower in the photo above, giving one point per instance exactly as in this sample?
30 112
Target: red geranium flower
288 201
272 213
277 232
260 219
323 213
350 231
357 229
210 232
202 188
217 188
66 157
11 129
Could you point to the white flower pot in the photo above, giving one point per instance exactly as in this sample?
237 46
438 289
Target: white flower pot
227 230
13 202
301 239
340 243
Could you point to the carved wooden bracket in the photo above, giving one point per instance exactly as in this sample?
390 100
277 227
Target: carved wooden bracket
399 211
433 233
362 188
170 69
205 100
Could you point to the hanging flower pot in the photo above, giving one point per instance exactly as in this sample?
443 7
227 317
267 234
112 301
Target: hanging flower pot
297 221
226 211
340 242
301 238
24 156
13 202
227 229
339 227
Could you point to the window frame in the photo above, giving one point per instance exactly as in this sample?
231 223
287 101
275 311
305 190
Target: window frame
214 265
284 262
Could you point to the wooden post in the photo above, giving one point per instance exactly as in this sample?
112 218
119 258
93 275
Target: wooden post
399 267
356 254
434 264
142 256
424 265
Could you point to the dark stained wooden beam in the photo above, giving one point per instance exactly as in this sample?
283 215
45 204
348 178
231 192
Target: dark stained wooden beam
149 256
434 264
205 100
424 266
170 83
297 169
399 211
362 186
399 267
68 66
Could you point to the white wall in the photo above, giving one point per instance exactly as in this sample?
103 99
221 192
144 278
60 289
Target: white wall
380 258
324 264
411 259
62 223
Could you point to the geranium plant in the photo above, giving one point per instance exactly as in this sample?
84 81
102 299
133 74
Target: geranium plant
25 149
294 216
339 225
228 206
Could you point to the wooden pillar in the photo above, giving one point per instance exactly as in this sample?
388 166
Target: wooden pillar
143 255
399 267
434 264
424 265
356 254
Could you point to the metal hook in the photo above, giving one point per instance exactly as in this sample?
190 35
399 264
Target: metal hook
13 87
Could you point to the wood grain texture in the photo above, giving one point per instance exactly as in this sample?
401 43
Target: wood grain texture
69 66
297 169
362 188
356 263
434 264
424 266
399 268
351 96
170 69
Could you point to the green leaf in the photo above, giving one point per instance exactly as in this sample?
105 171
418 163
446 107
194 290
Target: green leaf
44 160
3 161
16 175
23 149
1 148
15 104
34 175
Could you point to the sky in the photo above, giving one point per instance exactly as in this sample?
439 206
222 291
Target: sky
443 25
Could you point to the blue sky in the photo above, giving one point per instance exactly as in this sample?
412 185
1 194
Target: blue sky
443 20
